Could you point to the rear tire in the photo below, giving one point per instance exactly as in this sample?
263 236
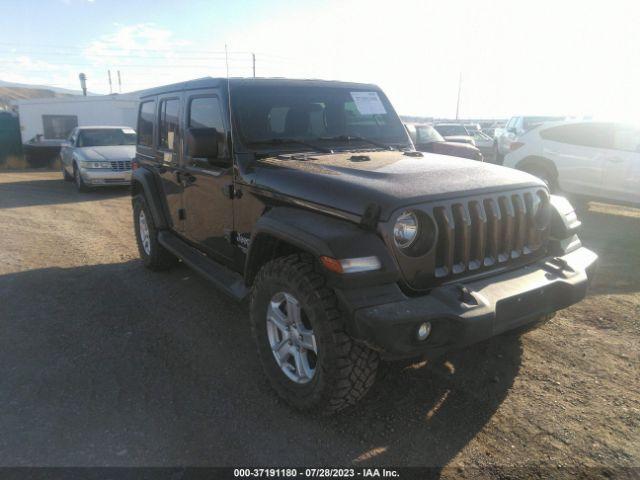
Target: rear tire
154 255
342 370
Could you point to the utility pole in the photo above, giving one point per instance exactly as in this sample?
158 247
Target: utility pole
119 82
458 102
83 83
110 87
253 59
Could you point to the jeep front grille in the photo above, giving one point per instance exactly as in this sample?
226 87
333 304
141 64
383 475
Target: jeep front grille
485 232
120 165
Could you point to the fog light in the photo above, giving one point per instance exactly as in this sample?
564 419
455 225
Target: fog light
423 331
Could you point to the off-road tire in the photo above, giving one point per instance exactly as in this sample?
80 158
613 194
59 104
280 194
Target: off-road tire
345 369
159 257
65 174
77 177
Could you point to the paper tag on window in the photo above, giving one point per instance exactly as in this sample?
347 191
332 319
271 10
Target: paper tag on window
128 130
167 157
368 103
170 140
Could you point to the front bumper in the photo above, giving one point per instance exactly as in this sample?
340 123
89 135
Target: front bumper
102 177
484 308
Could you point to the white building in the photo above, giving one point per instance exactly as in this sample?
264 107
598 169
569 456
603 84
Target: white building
52 119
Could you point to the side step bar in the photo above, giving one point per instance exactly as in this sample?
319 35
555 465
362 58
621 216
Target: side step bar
228 281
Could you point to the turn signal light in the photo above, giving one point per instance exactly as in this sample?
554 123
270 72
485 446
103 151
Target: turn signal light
351 265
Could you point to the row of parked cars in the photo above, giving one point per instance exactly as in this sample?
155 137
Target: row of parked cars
587 159
309 199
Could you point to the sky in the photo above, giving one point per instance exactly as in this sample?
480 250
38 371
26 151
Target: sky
557 57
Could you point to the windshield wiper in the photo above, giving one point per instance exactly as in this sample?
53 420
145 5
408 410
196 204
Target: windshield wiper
350 138
283 141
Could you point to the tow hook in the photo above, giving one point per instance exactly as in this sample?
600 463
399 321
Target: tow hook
559 266
464 295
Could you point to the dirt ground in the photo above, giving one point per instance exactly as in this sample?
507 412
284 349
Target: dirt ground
105 363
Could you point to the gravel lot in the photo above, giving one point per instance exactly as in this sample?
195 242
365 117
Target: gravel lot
105 363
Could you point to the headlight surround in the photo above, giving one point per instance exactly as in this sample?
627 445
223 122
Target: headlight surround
87 164
406 229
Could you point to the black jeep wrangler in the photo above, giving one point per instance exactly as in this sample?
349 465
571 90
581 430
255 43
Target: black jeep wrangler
309 198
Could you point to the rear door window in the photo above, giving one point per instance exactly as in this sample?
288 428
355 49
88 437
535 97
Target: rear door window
594 135
145 123
168 125
626 138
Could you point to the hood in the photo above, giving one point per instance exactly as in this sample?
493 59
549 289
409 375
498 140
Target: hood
392 180
459 139
110 152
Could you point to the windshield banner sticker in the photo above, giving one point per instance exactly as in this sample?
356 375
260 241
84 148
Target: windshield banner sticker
368 103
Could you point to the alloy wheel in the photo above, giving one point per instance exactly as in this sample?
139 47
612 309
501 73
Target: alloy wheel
291 338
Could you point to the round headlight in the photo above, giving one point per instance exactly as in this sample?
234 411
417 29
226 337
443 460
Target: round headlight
405 231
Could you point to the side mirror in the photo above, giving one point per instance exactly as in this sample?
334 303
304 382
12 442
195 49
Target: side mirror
202 143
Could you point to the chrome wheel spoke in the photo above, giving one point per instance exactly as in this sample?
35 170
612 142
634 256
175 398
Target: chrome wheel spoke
308 340
291 342
302 365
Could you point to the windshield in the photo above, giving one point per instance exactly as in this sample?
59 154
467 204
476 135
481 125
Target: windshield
451 130
330 117
427 134
101 137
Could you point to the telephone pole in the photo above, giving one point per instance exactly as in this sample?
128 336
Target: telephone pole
253 60
458 102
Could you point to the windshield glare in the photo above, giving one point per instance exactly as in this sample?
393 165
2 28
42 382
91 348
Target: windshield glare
427 134
315 114
105 137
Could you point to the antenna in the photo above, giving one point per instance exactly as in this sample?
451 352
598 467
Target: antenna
110 86
226 61
459 88
253 59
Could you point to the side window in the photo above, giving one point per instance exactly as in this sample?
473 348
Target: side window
205 112
145 123
626 138
168 126
594 135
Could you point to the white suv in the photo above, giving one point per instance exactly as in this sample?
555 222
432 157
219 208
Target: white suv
584 158
515 127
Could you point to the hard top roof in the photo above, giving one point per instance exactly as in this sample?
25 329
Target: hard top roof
210 82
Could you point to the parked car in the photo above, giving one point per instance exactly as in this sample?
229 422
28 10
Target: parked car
427 139
583 158
98 156
515 127
306 197
484 143
454 132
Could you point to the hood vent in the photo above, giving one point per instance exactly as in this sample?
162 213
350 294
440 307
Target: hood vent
360 158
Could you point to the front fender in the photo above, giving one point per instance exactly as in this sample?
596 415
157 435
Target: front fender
322 235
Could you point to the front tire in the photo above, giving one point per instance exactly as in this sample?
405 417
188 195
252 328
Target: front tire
80 185
299 332
65 174
544 174
154 255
